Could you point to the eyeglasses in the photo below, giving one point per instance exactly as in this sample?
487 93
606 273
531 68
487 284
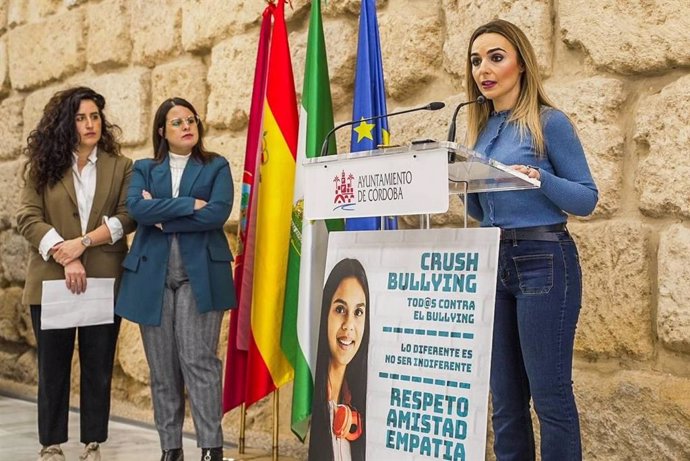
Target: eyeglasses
189 121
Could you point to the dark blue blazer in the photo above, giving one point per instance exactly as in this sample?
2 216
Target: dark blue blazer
203 245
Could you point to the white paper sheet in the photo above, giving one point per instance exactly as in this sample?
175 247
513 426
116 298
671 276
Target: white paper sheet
60 308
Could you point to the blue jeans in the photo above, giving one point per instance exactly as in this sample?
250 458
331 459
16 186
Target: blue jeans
538 297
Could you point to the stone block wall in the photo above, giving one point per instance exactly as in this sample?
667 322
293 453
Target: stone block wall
620 69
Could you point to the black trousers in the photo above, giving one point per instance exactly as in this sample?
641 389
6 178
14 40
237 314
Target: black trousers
96 355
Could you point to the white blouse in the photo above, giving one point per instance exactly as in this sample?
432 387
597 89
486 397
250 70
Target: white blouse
85 189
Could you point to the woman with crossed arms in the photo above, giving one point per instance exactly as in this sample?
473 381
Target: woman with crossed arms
177 280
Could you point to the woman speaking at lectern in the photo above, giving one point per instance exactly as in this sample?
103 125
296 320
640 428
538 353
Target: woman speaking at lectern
539 291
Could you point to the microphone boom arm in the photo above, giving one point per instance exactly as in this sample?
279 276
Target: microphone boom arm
451 129
324 146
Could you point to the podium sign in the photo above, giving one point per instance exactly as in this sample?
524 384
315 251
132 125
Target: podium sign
430 316
412 179
377 183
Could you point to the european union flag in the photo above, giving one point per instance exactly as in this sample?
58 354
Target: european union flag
369 101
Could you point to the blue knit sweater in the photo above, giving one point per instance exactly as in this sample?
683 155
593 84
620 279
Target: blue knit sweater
566 182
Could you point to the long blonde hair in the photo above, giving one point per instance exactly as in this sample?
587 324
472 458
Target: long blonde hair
532 98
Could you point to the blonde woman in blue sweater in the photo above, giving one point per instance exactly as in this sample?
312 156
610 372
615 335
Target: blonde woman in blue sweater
539 289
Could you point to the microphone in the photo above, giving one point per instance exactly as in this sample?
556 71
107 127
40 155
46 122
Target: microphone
431 106
451 130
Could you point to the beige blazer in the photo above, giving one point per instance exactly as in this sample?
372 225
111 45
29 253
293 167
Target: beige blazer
57 207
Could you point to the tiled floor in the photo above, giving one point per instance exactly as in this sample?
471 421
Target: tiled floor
126 442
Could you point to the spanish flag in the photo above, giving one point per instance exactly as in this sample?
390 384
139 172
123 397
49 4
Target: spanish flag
267 366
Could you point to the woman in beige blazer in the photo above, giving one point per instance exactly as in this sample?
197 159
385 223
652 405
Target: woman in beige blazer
73 214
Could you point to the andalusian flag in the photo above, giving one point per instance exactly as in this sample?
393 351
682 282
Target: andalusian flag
369 100
267 366
308 239
234 392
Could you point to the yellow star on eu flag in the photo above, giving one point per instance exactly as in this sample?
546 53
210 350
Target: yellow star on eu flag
364 130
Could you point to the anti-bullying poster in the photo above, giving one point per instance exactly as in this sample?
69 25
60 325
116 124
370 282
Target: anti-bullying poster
404 347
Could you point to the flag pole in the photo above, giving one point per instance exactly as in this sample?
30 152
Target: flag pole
275 424
243 425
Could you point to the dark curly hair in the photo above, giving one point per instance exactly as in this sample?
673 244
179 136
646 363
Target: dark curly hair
50 146
160 144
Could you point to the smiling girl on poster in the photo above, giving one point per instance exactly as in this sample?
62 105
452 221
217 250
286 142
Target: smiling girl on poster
339 405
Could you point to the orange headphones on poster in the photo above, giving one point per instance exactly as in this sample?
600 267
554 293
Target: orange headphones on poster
347 422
